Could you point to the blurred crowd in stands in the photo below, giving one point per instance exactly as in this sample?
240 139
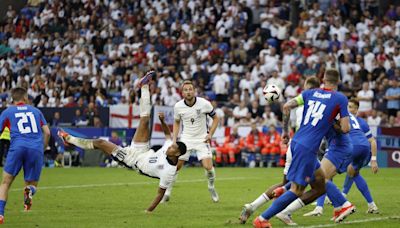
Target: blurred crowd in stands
90 53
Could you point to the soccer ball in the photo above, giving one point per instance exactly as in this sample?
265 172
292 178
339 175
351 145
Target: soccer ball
271 92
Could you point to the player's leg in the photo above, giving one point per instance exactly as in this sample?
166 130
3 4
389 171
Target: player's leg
11 169
204 155
249 208
363 188
32 164
342 207
101 144
317 189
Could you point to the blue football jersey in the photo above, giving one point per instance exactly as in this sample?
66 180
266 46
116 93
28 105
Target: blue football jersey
321 106
335 138
25 123
359 131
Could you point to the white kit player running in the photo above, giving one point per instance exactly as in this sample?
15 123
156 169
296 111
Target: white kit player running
192 111
161 164
277 189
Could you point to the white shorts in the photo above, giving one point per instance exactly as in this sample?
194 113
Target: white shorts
288 160
129 156
203 151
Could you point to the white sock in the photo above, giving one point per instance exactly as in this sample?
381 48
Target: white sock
169 190
294 206
82 143
346 204
211 177
144 102
319 208
261 200
372 204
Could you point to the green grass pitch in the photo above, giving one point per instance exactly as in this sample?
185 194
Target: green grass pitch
101 197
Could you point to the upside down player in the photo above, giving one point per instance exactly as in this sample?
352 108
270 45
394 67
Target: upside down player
29 136
320 108
192 111
249 208
160 164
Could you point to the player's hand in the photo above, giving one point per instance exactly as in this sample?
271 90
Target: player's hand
374 167
285 138
208 139
161 116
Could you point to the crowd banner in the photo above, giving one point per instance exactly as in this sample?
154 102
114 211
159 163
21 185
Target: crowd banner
124 116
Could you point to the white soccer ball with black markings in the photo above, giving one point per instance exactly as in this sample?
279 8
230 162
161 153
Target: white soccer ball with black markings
271 92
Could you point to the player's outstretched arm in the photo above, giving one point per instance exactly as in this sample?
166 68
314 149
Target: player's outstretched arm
175 130
157 200
46 135
164 126
287 107
374 163
212 129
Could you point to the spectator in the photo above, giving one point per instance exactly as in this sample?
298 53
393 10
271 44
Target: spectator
229 152
271 150
365 97
254 142
393 98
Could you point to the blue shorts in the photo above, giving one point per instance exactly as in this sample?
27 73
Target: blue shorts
361 156
31 159
340 156
304 164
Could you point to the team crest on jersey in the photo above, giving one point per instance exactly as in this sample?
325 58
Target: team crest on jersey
198 111
160 167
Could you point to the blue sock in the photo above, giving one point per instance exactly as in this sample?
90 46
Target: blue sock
363 187
321 200
279 204
288 185
33 189
2 206
334 195
348 182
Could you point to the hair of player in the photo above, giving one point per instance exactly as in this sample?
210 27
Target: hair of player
18 94
332 76
182 147
313 82
354 101
187 82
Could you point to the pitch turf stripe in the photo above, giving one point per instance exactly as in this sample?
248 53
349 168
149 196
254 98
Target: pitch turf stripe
133 183
353 222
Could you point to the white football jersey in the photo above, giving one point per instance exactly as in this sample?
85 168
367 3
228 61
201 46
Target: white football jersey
299 116
155 164
194 119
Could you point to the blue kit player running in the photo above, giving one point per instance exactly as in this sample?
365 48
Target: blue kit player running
364 144
29 136
321 106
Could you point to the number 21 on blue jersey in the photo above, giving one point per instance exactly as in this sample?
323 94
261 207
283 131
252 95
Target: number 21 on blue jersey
26 122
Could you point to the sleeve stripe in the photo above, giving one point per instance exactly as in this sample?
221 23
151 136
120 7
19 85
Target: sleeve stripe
212 113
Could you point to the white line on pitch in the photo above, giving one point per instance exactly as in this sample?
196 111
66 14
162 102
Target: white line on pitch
132 183
352 222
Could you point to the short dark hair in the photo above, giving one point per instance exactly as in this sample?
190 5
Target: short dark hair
182 147
332 76
18 94
313 82
354 101
187 82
